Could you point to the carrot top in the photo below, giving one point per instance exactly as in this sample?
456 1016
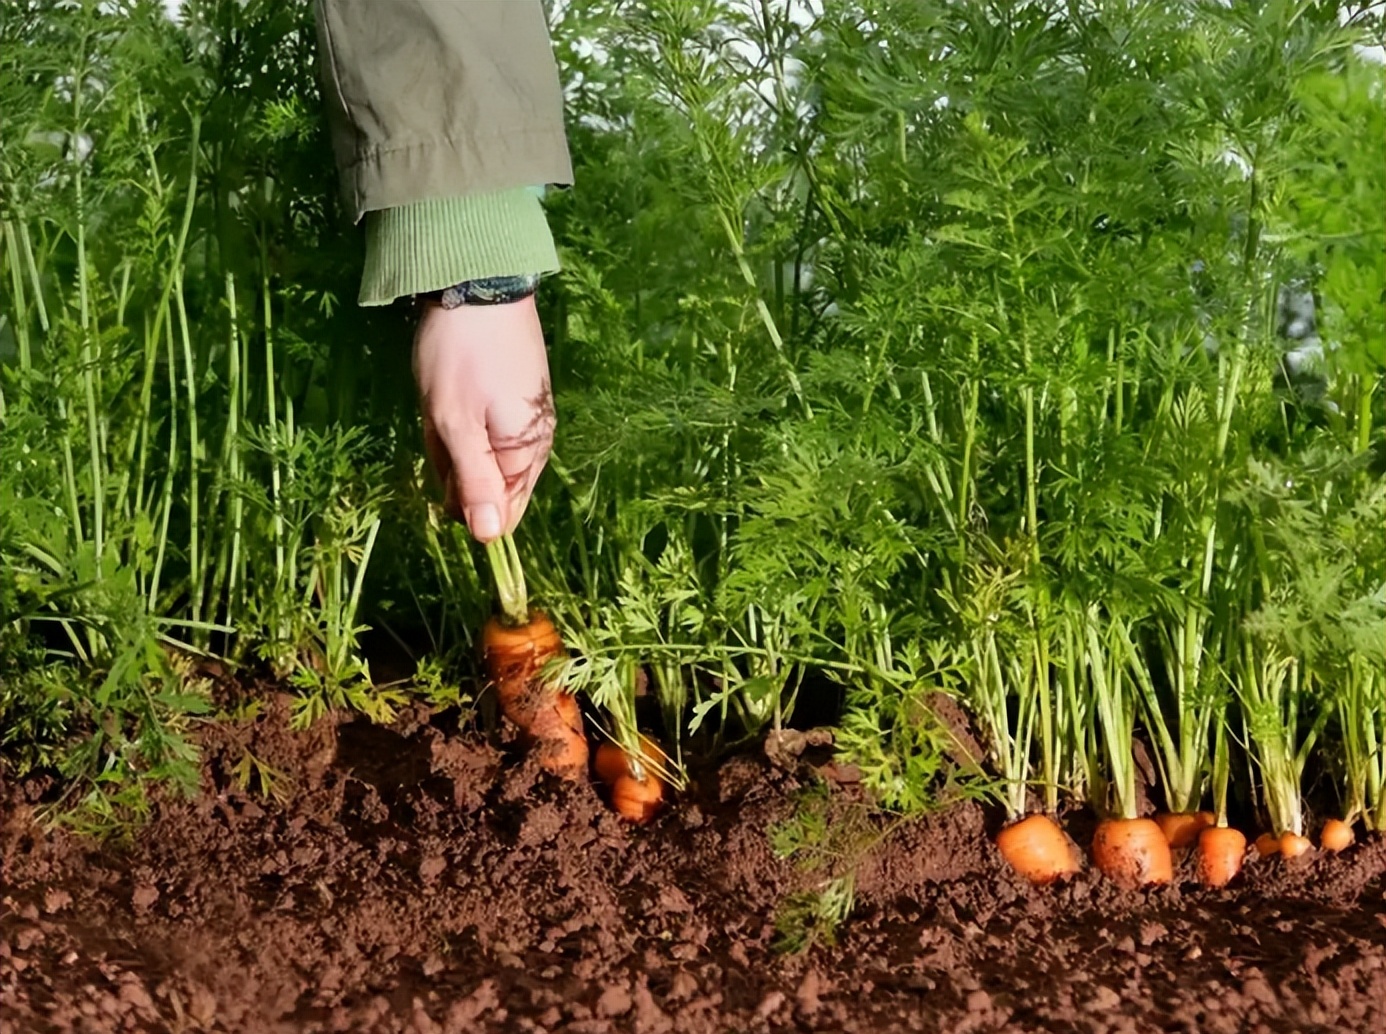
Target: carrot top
510 581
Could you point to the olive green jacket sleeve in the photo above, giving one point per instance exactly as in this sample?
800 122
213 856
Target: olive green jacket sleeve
440 98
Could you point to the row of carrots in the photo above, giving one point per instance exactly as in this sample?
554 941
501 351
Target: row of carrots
1133 852
1140 852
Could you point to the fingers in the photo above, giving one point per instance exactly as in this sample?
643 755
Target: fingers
520 467
522 430
474 486
442 466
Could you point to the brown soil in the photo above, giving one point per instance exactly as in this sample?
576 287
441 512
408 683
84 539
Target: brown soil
418 881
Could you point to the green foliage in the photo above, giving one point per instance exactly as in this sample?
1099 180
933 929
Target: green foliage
826 840
196 454
929 347
963 296
813 917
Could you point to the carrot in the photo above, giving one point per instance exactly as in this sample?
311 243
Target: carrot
637 791
1336 835
1221 849
1038 849
1182 828
1220 853
1292 845
546 716
1132 852
637 800
516 646
612 761
1267 844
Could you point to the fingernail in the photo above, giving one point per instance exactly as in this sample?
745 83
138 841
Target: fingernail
484 520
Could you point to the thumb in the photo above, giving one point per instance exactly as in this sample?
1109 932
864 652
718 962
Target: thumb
476 481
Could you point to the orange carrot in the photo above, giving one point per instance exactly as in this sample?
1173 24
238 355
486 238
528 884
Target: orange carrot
612 763
1220 853
1267 844
636 798
1132 852
1292 845
1336 835
1182 828
1038 849
546 716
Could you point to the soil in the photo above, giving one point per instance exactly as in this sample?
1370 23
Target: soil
416 879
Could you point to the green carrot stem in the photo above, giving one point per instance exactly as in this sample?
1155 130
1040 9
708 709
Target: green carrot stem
1222 768
510 580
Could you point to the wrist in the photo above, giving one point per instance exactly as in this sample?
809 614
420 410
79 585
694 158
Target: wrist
494 290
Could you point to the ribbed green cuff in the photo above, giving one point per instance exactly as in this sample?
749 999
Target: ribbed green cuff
431 245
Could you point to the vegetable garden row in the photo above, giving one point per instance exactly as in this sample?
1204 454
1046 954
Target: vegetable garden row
1025 353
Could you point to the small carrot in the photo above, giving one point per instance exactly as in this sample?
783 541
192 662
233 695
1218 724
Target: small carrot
1221 850
1182 828
1336 835
1292 845
637 790
637 800
1267 845
1038 849
1132 852
612 761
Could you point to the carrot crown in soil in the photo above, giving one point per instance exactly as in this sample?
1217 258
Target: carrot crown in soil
510 581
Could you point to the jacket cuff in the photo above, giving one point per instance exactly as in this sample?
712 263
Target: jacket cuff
432 245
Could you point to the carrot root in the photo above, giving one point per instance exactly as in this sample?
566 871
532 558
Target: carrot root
557 734
1038 849
1132 852
1336 835
1267 845
547 718
635 799
1292 845
1221 851
1183 828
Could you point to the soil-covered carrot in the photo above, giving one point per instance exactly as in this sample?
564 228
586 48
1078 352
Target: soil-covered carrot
1182 828
516 645
637 788
1132 852
1267 845
1221 850
1038 849
1292 845
612 761
637 800
1336 835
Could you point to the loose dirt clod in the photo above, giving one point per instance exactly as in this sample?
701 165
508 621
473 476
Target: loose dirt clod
422 882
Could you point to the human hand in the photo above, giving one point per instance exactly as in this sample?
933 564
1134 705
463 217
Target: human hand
488 415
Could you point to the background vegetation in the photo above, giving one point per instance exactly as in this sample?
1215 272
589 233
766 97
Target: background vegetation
1027 352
